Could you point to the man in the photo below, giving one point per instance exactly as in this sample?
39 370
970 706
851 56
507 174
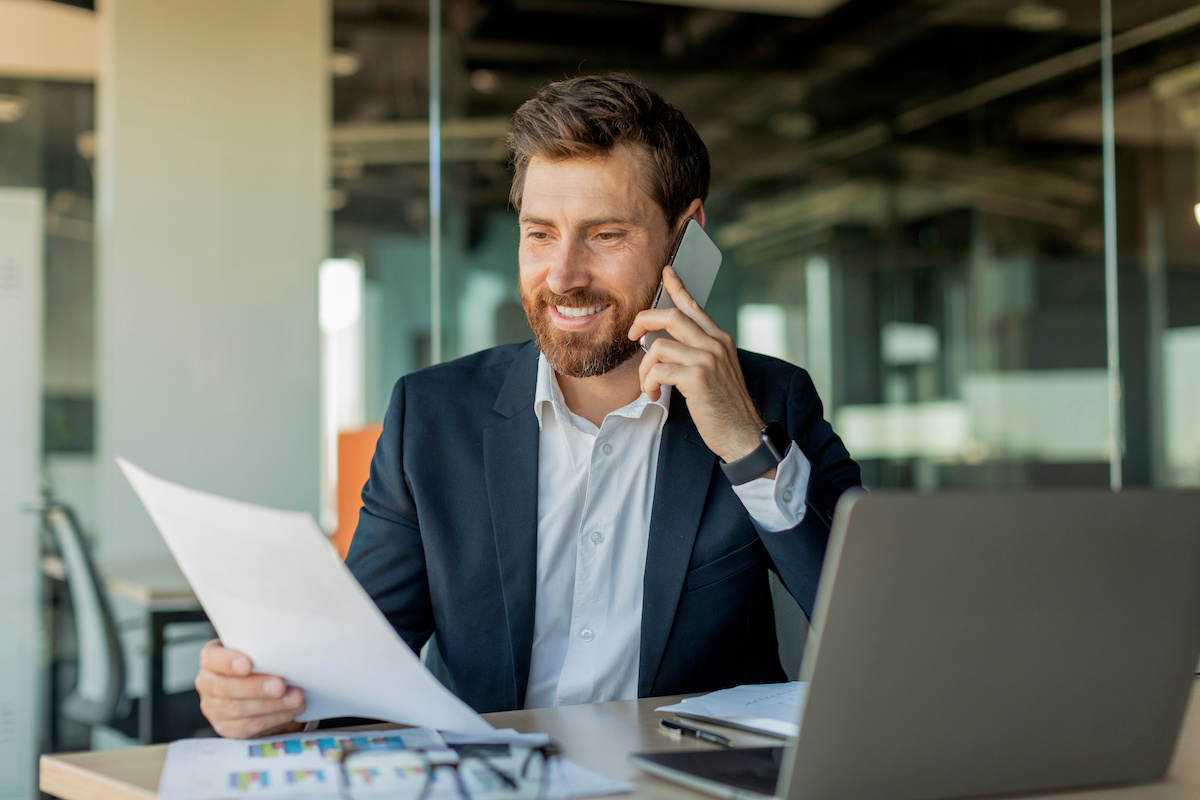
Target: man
564 516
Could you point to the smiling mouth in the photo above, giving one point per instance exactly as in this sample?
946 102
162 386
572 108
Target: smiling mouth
578 313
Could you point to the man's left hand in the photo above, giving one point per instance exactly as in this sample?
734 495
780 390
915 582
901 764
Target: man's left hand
700 361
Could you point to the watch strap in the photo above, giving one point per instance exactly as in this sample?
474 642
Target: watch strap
772 447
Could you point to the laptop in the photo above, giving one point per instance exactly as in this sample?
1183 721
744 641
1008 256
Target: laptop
984 643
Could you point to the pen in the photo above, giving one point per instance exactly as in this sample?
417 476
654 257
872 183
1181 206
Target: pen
683 729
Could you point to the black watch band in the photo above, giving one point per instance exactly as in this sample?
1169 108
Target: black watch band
770 451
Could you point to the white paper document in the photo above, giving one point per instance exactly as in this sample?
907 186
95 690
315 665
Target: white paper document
275 589
391 764
770 708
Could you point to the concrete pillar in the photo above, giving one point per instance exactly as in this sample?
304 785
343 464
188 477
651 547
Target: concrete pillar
211 178
21 269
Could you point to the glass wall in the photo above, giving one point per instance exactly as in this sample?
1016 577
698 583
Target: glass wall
909 196
1157 126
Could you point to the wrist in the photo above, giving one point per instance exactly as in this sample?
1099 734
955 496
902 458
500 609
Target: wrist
773 444
746 443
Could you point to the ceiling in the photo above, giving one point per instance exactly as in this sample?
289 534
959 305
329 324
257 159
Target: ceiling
825 112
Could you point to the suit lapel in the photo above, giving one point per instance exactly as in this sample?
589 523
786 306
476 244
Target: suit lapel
510 454
685 468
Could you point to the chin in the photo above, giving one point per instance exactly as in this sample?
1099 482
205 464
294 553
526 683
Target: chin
586 362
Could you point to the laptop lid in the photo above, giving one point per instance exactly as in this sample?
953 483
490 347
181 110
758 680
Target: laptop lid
997 642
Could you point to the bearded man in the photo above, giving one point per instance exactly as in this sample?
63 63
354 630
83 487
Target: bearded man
577 520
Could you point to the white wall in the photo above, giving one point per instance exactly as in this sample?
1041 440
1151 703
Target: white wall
21 239
212 128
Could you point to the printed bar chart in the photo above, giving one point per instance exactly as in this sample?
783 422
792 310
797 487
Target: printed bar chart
249 780
324 745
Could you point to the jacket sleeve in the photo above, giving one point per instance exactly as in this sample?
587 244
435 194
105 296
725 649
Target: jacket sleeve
799 552
386 554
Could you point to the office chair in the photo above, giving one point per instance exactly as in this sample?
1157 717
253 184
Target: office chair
99 696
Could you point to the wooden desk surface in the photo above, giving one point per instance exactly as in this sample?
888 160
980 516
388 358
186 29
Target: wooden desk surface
597 736
155 583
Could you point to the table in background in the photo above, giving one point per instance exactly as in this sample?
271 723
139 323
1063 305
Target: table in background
599 736
162 594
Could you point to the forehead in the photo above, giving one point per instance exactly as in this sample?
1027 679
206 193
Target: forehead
615 181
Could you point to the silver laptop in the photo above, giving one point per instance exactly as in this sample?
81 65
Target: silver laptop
986 643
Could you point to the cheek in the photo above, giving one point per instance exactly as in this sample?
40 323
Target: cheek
531 263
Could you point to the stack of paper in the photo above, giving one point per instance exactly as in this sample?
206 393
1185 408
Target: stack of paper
305 765
770 708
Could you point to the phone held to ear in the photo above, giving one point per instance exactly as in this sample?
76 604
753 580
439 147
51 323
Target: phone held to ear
696 260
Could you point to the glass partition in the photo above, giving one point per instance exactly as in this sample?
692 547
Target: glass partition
909 198
1156 106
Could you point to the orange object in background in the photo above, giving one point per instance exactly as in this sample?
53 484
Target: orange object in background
354 452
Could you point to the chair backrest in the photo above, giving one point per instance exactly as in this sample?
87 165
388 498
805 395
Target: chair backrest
355 450
99 694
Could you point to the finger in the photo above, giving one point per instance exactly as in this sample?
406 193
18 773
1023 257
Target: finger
672 320
215 685
225 709
685 378
216 658
685 302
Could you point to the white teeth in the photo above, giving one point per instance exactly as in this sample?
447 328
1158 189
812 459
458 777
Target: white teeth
575 313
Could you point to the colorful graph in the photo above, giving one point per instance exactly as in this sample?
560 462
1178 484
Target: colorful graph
365 776
324 745
304 776
248 780
410 771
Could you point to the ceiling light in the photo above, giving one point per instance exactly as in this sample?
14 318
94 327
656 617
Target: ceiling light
12 107
484 81
1196 211
1036 17
344 63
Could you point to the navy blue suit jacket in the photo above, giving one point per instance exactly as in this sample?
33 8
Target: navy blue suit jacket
447 538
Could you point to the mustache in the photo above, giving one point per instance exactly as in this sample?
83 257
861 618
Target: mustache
582 298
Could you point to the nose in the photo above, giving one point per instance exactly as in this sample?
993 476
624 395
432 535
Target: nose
568 269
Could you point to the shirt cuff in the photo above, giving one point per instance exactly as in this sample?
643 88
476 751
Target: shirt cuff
777 504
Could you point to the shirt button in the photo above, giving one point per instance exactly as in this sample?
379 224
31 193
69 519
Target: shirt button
587 635
597 537
787 495
606 449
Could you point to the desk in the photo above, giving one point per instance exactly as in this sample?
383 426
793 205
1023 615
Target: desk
163 594
598 736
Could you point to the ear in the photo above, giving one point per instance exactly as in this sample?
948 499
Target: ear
695 210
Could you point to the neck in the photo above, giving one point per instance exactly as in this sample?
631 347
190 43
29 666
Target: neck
594 398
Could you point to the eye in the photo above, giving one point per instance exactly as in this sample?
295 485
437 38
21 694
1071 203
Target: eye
608 236
536 235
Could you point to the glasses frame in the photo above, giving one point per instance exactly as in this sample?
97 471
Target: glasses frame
454 757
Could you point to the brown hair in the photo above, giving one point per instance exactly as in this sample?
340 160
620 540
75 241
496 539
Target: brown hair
589 116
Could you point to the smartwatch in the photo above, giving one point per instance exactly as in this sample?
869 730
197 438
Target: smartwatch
772 447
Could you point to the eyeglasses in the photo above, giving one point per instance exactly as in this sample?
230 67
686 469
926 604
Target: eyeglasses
457 772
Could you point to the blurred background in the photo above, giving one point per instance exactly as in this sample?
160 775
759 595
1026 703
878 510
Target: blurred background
227 227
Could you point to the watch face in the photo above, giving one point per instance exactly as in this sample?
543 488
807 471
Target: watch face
777 439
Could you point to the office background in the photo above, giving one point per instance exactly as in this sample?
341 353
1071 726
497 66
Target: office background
246 228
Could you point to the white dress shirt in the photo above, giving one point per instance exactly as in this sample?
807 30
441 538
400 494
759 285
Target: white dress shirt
595 495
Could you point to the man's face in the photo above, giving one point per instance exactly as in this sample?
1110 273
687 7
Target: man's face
593 244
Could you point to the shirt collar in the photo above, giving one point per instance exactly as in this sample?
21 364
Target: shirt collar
547 392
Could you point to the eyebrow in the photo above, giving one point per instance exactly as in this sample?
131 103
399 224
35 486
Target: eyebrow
587 223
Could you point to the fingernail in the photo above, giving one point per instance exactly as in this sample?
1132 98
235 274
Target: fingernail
293 698
671 270
242 665
273 686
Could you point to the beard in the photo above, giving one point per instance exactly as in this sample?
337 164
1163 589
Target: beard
585 354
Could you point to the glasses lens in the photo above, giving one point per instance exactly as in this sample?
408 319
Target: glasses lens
467 772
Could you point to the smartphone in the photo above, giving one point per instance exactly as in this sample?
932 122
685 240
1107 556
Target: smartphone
696 260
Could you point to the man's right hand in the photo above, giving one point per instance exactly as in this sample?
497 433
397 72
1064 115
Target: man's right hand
243 704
